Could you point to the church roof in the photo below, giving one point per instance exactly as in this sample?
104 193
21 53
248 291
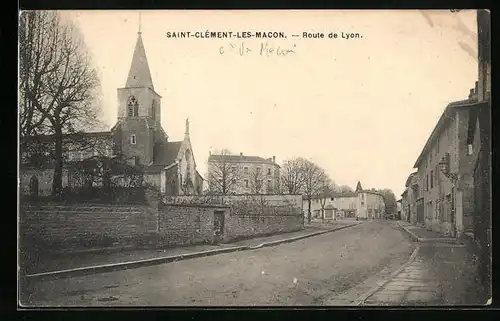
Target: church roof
166 153
139 74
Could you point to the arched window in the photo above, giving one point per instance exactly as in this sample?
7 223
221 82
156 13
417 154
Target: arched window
188 163
34 186
132 107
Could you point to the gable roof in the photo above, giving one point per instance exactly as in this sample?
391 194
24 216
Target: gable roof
445 118
166 153
241 159
139 74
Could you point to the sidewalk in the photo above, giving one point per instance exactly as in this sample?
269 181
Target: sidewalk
128 258
420 234
441 271
434 276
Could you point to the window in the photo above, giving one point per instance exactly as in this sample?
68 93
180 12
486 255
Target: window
269 186
269 171
246 182
245 170
137 160
133 107
436 171
432 179
258 170
153 110
427 183
469 149
133 140
437 146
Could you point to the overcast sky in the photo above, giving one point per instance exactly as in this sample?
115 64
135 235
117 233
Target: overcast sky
360 108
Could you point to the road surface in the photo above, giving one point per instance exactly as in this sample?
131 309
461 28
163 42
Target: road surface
312 271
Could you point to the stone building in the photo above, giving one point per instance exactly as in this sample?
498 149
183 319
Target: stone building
479 140
248 174
409 199
445 167
363 204
137 134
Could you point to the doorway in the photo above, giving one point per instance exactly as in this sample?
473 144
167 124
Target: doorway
34 186
218 226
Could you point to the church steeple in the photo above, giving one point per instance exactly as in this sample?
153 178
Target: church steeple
139 74
358 187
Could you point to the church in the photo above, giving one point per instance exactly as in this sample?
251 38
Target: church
138 135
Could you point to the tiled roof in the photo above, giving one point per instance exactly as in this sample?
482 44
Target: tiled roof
166 153
345 194
139 74
241 159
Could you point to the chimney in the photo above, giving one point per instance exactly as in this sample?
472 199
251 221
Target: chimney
471 94
274 159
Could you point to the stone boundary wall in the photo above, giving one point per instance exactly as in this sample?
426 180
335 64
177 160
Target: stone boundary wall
80 226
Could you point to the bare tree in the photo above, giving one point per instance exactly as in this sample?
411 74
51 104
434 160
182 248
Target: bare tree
345 189
256 180
223 175
292 178
326 191
58 84
314 178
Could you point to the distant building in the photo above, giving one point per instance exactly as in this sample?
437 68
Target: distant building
363 204
249 174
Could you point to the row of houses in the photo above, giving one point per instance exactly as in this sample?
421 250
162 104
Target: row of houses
361 204
452 171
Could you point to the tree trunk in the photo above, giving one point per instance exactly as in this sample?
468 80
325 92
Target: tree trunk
323 214
58 163
309 210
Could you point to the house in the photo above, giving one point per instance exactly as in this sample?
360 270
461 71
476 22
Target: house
409 199
444 173
363 204
138 135
241 174
479 142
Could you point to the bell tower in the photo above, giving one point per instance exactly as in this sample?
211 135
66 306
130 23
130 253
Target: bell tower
139 112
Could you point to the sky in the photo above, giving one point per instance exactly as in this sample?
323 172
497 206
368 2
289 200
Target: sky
361 108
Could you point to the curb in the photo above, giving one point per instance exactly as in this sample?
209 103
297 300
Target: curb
415 238
361 300
161 260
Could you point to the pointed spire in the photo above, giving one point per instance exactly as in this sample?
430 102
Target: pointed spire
358 187
139 74
187 127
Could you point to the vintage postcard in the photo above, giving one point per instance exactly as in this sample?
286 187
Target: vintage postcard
254 158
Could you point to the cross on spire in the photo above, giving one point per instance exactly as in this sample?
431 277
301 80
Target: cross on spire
140 23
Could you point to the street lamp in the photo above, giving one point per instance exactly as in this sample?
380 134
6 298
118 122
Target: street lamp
444 166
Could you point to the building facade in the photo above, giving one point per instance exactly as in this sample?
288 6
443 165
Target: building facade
445 167
137 135
362 204
241 174
479 138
